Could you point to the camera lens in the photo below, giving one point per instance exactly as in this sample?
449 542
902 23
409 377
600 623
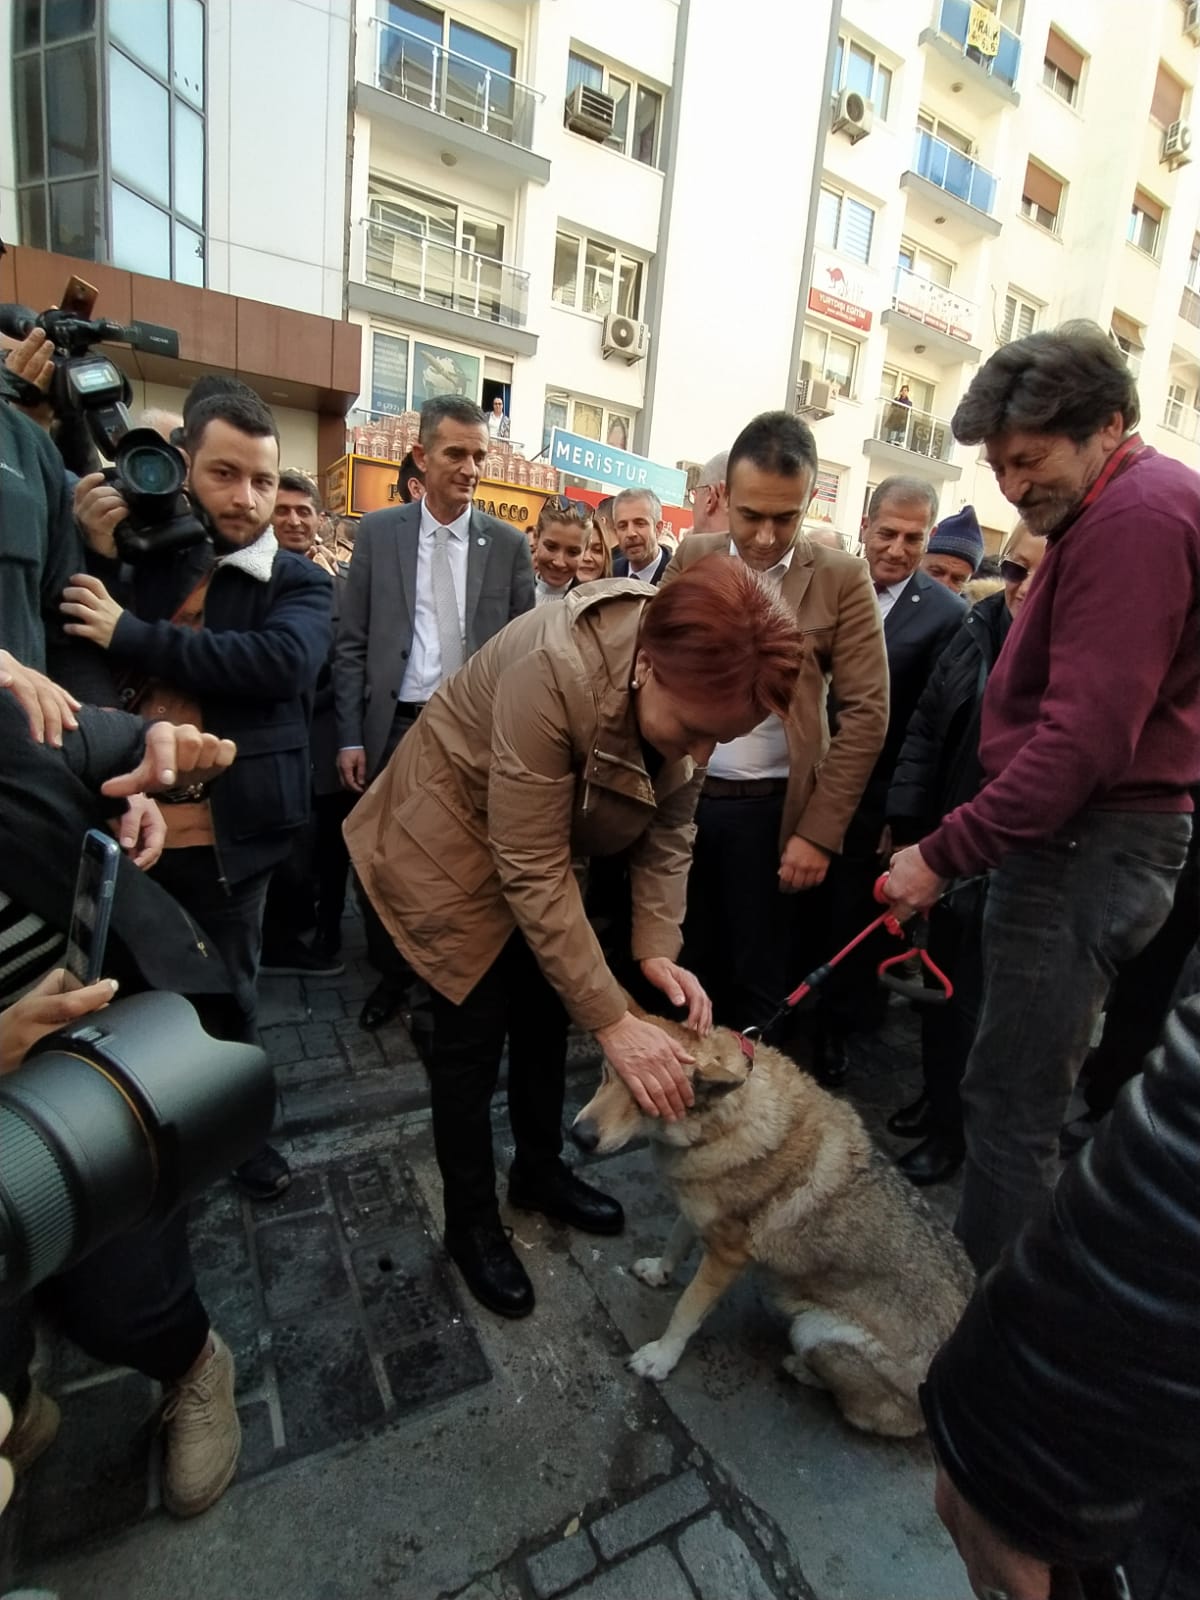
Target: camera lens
151 469
121 1117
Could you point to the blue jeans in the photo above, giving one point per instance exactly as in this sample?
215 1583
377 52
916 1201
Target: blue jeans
1060 919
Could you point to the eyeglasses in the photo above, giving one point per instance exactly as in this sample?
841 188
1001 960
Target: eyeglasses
1013 572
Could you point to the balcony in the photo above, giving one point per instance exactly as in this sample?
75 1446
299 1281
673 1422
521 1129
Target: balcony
454 100
929 320
907 440
959 194
1183 420
445 290
966 63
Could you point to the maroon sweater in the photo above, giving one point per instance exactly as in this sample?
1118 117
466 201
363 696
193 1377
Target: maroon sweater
1095 699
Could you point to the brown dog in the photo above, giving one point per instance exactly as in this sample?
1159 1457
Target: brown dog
769 1168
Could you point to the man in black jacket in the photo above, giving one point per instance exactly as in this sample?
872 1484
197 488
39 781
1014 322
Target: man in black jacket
1065 1408
229 634
939 769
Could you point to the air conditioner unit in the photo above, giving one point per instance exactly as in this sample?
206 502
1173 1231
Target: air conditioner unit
1177 144
591 113
853 114
1191 20
814 398
622 336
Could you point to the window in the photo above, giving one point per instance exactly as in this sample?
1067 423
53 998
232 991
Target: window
1042 197
595 277
920 391
1145 223
844 224
1193 271
1167 105
1020 317
129 189
428 58
1130 336
943 131
1062 69
637 115
832 358
856 68
435 250
914 258
591 418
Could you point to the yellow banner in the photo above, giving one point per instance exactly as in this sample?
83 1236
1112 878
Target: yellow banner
355 485
983 31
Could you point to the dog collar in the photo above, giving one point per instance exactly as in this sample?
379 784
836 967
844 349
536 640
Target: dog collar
746 1046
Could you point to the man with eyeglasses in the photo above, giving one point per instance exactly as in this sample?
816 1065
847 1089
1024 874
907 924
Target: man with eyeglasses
1090 746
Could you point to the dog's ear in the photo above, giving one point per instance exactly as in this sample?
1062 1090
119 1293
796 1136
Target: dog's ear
708 1089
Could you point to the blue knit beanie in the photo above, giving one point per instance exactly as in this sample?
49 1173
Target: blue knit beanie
959 535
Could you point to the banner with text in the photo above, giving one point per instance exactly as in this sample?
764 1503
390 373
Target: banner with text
841 291
615 469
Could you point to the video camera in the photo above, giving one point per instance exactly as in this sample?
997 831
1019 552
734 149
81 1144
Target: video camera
115 1120
149 472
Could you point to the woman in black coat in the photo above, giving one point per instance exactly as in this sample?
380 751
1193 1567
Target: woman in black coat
938 770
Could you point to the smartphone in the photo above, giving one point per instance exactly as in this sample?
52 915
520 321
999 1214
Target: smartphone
94 886
79 298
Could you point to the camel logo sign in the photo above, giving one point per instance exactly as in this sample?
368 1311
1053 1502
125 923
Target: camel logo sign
615 469
839 292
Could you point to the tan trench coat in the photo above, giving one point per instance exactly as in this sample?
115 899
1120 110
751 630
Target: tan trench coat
845 659
524 762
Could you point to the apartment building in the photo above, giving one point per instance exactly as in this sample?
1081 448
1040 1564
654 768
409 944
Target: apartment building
990 170
193 154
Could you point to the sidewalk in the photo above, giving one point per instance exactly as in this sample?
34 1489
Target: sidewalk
400 1441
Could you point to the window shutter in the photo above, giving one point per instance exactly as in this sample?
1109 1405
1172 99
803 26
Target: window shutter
1127 329
858 224
1010 311
1042 189
1025 321
1167 105
1064 56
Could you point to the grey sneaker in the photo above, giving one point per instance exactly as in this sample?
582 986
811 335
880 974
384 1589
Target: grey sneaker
203 1435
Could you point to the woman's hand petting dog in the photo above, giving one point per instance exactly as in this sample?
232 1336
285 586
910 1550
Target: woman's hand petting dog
650 1064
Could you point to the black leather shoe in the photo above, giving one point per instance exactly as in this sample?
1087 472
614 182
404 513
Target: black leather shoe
934 1160
564 1197
382 1004
490 1267
829 1058
914 1121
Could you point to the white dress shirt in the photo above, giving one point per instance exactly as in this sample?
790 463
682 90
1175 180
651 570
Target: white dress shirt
887 598
423 674
646 573
763 752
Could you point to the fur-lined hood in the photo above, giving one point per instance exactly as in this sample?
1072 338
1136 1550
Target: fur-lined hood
256 560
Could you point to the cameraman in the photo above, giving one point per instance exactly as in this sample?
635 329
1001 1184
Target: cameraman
229 634
133 1302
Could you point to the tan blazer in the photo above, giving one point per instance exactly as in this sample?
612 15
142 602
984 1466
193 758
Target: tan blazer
834 601
526 760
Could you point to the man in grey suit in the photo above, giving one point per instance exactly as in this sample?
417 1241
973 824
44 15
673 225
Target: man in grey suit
428 584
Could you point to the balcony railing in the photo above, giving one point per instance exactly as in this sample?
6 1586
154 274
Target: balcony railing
954 21
454 85
941 164
934 305
440 274
910 429
1189 307
1183 420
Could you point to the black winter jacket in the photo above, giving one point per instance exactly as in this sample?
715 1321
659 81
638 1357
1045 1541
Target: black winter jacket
939 766
253 668
1068 1398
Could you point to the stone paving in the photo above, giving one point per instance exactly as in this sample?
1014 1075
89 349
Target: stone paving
400 1441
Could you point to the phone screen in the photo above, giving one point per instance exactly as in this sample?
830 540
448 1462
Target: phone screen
92 908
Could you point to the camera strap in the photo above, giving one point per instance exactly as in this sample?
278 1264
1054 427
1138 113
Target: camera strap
134 687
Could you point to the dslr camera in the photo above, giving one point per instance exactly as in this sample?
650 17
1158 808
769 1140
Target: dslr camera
149 472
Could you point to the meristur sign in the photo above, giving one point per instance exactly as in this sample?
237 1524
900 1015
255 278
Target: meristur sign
615 469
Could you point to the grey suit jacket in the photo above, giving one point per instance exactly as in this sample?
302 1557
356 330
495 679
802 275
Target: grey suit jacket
378 608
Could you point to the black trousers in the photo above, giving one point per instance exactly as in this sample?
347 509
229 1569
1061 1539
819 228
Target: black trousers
381 949
231 918
511 1000
132 1303
948 1031
852 1000
331 863
739 930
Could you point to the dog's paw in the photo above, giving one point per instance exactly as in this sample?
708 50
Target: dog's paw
650 1270
799 1369
655 1360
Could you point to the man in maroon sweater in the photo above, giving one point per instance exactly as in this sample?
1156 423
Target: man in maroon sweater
1090 741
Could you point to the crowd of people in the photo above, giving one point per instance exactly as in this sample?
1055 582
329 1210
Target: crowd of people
580 773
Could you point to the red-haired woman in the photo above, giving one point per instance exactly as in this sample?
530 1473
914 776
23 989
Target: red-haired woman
576 731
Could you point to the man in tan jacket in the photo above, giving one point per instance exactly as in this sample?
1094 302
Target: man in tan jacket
776 804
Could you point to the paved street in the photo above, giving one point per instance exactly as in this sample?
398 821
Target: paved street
400 1441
